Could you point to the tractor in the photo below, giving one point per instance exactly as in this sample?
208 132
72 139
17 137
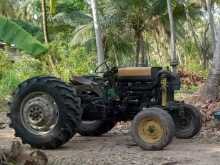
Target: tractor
46 112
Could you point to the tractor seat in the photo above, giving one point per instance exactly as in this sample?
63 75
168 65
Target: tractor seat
135 72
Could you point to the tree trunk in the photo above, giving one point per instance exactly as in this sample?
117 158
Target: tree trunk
211 22
211 90
174 61
199 44
137 51
141 58
99 43
44 20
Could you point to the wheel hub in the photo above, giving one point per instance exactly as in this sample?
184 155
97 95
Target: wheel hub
150 130
39 113
36 114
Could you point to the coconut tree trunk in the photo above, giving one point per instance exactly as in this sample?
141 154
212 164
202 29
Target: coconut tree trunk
142 51
174 60
44 20
211 90
99 43
137 51
141 58
211 22
199 44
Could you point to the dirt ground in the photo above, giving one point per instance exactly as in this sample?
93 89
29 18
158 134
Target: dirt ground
117 148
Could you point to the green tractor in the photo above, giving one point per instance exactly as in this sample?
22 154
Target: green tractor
46 112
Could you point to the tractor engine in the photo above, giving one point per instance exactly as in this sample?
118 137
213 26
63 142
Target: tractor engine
121 93
137 86
145 87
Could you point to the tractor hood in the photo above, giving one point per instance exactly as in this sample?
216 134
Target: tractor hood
153 74
138 72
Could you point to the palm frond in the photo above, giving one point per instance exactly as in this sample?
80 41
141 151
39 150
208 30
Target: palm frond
82 34
74 19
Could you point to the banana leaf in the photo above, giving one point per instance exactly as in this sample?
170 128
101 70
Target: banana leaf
11 33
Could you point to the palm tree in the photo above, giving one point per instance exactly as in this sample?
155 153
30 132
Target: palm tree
134 15
87 19
174 61
146 18
211 90
99 42
117 46
211 22
127 23
44 20
199 43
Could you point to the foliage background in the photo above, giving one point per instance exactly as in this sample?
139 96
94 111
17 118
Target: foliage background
72 47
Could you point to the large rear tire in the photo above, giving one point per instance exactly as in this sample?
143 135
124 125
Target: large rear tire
45 112
153 129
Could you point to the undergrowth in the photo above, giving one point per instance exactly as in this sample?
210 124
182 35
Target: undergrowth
61 61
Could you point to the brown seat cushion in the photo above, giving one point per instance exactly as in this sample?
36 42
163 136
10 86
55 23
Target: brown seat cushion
134 71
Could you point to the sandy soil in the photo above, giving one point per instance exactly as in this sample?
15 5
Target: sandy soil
117 148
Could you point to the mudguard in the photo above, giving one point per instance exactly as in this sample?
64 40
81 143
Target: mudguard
85 83
80 80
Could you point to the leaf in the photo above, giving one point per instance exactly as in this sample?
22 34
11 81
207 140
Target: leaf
13 34
74 18
82 35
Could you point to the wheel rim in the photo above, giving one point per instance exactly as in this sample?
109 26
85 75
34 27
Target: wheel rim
150 130
39 113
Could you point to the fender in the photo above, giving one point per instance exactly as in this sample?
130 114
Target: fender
82 80
84 83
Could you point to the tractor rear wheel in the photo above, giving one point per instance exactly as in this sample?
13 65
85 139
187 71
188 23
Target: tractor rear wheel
95 128
189 123
45 112
153 129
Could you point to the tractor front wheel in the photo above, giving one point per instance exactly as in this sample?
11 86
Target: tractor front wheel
153 129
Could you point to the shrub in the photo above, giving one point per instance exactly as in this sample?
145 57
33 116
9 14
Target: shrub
14 72
61 61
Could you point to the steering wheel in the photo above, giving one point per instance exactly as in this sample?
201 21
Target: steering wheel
106 65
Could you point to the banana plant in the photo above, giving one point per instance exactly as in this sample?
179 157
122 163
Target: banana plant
12 34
